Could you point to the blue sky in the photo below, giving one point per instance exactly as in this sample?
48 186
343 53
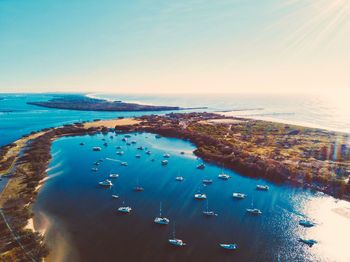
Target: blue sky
174 46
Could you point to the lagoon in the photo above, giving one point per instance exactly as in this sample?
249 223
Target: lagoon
83 223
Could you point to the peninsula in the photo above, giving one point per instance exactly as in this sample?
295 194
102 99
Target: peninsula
80 102
300 156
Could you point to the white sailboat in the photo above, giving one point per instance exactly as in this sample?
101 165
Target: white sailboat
124 209
229 246
161 220
175 241
254 211
106 183
239 195
209 213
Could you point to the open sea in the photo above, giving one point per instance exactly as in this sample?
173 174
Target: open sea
81 220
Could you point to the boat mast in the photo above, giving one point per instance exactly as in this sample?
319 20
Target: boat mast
174 231
160 209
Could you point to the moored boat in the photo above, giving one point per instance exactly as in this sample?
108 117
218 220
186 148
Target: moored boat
124 209
262 187
309 242
175 241
161 220
229 246
239 195
201 166
96 148
223 176
106 183
200 196
306 223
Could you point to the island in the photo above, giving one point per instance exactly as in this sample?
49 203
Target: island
84 103
295 155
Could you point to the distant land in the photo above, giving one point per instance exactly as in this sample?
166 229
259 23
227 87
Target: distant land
83 103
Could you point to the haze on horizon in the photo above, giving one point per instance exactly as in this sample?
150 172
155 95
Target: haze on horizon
175 46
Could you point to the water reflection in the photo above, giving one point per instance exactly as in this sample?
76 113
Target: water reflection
97 232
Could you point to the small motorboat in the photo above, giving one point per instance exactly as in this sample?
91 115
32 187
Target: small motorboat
96 148
82 144
106 183
164 162
207 181
118 147
120 153
148 152
124 163
124 210
229 246
133 142
105 144
223 176
200 196
309 242
128 143
166 155
96 163
113 175
161 220
140 148
306 223
239 195
262 187
138 156
201 166
111 137
179 178
127 136
254 211
95 169
115 196
124 139
157 136
182 152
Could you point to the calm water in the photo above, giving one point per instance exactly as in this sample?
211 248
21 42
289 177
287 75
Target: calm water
86 227
18 118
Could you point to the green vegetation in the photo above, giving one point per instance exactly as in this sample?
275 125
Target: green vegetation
77 102
303 156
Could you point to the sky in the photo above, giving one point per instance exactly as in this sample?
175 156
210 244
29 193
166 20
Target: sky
159 46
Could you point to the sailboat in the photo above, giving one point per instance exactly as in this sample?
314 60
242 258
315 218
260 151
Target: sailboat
306 223
238 195
106 183
209 213
229 246
223 176
175 241
138 188
113 175
124 209
254 211
161 220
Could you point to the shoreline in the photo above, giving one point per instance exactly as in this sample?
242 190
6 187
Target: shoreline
200 128
230 113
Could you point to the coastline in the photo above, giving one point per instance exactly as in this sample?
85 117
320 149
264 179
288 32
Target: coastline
231 113
184 126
